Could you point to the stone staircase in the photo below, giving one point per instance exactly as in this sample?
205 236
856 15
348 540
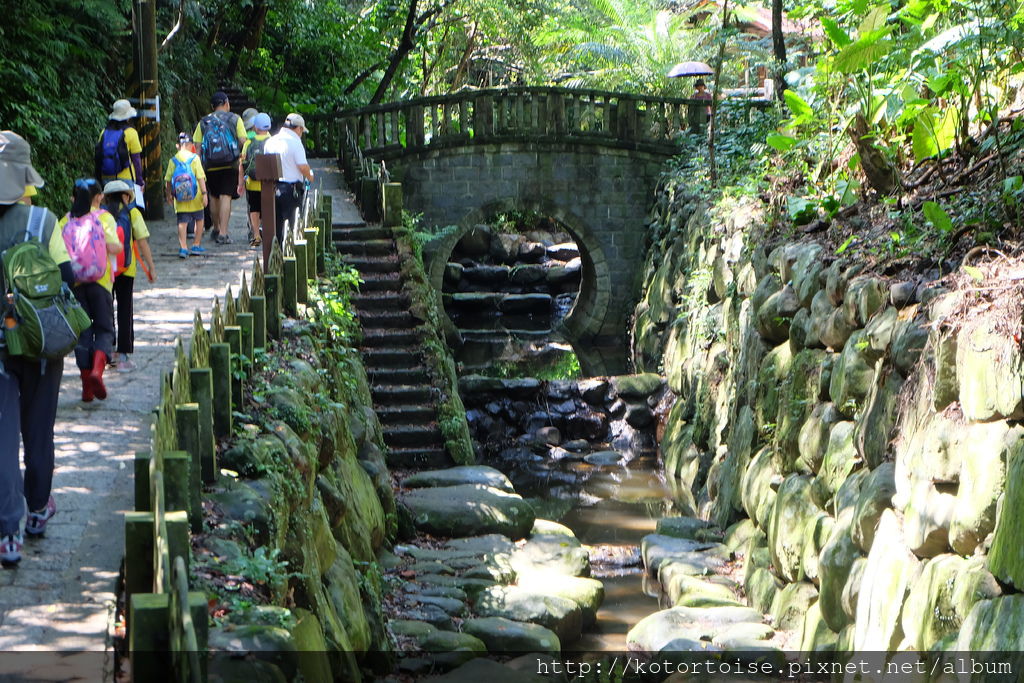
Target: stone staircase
403 397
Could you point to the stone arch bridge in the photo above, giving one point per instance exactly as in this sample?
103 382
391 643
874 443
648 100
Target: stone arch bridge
589 159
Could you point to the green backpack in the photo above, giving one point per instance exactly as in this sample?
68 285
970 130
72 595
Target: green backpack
41 318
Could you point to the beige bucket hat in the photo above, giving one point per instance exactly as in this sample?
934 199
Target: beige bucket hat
16 170
122 111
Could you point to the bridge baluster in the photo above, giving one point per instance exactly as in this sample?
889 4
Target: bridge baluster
396 137
464 126
381 136
414 127
483 111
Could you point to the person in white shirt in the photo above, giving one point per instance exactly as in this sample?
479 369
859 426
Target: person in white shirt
295 170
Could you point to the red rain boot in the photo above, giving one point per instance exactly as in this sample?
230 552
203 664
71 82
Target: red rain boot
99 362
87 394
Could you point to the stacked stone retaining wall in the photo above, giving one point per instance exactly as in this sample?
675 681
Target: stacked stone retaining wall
860 428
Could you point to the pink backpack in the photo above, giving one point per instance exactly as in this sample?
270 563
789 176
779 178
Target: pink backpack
87 246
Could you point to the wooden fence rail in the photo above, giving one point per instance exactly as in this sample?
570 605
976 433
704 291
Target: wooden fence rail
167 623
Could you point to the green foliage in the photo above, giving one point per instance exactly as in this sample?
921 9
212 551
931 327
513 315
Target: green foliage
60 69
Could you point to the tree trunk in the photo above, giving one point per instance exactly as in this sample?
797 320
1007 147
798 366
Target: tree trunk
779 48
880 173
405 46
713 124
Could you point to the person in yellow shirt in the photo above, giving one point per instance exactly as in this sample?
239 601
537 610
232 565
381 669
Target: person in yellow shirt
221 163
185 182
96 343
247 175
119 151
119 202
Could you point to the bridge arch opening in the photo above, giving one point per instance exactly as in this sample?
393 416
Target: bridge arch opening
586 311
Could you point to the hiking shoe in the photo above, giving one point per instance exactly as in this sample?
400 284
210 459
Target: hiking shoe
10 549
125 364
198 249
214 235
183 253
223 239
35 525
255 243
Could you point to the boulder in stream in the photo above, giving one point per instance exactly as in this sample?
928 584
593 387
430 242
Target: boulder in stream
454 476
469 510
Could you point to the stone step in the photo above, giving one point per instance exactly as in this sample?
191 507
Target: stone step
406 414
392 320
418 458
365 247
392 376
381 282
387 337
426 435
408 357
402 394
373 264
381 301
358 231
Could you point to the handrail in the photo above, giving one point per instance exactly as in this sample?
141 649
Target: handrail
540 114
164 632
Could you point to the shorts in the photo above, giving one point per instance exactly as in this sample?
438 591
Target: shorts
190 216
223 181
255 200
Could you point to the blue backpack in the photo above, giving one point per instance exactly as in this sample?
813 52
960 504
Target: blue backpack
220 144
111 152
183 182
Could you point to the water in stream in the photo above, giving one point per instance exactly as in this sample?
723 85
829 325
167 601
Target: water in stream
610 507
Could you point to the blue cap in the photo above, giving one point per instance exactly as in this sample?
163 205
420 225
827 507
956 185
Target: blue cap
261 122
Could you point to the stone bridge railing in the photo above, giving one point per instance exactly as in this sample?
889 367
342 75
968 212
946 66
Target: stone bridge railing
536 114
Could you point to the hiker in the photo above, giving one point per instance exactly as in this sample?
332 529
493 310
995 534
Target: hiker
247 175
186 191
248 120
134 237
119 153
90 236
702 93
295 170
219 136
28 388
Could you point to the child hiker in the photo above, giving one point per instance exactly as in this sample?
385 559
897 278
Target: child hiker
186 190
90 235
134 236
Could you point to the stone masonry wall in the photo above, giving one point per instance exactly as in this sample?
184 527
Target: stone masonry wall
593 191
865 440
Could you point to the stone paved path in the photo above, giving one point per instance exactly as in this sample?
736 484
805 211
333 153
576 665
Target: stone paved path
61 597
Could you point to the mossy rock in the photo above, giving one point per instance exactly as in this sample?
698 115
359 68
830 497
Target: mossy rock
693 591
678 625
815 634
927 514
874 429
875 497
865 295
840 459
791 605
852 374
520 603
504 635
270 644
341 585
908 343
995 625
890 571
770 377
587 593
800 394
453 476
941 599
757 493
793 509
835 329
682 527
945 387
551 553
636 386
990 368
312 648
254 503
774 316
816 534
834 564
982 479
254 457
812 441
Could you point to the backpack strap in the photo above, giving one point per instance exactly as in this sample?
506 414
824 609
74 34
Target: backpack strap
34 226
